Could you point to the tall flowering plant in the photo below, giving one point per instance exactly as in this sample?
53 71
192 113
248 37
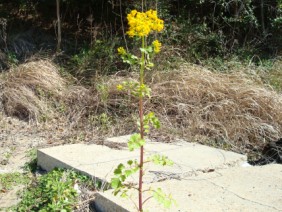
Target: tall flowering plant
141 25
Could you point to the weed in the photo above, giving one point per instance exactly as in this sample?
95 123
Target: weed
9 180
103 91
54 191
273 75
7 155
97 60
12 59
31 165
141 24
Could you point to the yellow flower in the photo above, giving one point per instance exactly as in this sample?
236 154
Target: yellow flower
119 87
142 23
121 51
157 46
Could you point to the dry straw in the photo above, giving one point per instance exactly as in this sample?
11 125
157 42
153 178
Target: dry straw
26 89
227 110
222 107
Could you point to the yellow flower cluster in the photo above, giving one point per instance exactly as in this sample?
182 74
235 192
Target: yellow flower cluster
157 46
119 87
142 23
121 51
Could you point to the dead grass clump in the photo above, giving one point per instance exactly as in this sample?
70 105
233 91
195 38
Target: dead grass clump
100 109
226 108
25 90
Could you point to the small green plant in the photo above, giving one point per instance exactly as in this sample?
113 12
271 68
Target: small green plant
52 192
99 59
141 24
31 165
6 156
12 59
103 91
104 121
8 180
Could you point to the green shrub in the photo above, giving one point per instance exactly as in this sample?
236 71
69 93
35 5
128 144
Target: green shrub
100 59
52 192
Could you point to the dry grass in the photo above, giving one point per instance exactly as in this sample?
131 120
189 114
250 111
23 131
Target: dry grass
26 89
227 110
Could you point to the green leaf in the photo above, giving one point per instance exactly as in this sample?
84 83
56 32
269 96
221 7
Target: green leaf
124 194
129 58
135 142
115 183
128 173
130 162
122 178
151 119
117 171
156 123
120 166
144 50
116 191
150 49
162 198
161 160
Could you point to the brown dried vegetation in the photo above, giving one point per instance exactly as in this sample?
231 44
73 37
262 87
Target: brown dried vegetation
227 110
25 90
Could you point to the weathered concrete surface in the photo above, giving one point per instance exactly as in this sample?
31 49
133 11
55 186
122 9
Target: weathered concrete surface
100 161
234 189
202 179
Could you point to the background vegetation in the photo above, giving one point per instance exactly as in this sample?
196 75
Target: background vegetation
239 42
91 30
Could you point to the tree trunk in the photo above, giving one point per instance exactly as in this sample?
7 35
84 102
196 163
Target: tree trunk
59 26
262 16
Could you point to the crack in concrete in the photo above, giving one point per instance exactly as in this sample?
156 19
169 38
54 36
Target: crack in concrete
243 198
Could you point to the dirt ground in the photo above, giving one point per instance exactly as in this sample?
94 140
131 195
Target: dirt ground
17 140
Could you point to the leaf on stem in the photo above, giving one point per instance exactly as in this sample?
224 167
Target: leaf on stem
135 142
115 183
162 198
161 160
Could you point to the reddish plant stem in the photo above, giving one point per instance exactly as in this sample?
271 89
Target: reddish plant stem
141 162
141 156
141 173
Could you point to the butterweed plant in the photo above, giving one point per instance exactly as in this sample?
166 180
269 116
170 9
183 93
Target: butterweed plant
141 25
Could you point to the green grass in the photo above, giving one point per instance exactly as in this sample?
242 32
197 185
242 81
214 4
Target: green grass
9 180
31 165
53 191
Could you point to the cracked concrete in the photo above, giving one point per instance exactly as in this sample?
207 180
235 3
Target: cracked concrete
234 189
100 161
202 178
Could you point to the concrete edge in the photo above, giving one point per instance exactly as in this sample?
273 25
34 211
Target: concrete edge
103 204
41 162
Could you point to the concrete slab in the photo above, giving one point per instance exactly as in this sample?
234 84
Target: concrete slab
100 161
234 189
191 160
